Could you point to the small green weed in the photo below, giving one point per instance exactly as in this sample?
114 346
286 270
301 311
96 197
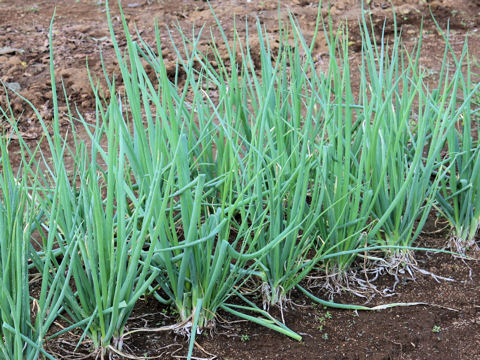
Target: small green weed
244 338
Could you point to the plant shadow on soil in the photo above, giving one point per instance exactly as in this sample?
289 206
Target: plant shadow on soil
449 328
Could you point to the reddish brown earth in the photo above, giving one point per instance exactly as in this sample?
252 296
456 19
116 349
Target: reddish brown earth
447 328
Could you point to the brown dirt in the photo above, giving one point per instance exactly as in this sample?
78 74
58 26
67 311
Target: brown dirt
80 31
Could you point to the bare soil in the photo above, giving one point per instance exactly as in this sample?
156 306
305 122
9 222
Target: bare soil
447 328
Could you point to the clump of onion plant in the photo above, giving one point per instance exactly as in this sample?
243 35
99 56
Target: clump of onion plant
459 194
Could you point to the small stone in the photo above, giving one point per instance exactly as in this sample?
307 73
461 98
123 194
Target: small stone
10 50
14 86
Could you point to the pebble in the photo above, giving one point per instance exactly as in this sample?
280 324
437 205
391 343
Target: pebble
10 50
14 86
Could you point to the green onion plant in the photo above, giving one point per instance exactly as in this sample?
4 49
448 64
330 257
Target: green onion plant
459 194
25 320
233 176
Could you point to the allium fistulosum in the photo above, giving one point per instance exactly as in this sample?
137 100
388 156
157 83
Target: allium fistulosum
202 240
459 194
25 320
238 179
95 210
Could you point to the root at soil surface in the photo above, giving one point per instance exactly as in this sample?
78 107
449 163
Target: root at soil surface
359 281
461 245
